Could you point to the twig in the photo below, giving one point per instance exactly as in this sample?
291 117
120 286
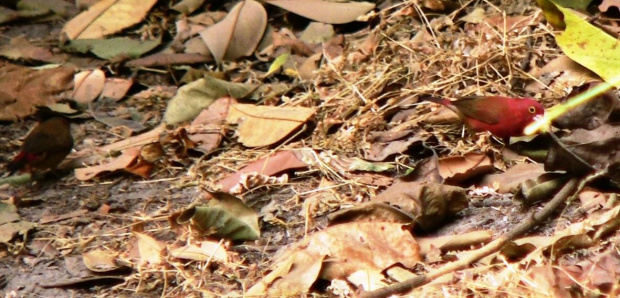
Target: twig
535 218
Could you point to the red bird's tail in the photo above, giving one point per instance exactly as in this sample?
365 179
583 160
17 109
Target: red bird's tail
17 163
441 101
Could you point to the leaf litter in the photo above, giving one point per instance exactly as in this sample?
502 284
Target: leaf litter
343 181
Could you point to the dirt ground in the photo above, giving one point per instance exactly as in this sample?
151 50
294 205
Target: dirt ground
73 216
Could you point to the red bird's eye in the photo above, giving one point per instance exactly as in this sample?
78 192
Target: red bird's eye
532 110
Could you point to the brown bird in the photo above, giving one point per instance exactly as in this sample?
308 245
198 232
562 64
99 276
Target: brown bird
45 147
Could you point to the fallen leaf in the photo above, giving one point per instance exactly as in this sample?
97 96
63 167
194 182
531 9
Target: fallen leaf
224 216
10 223
88 85
100 260
206 251
116 49
107 17
266 125
455 169
429 203
325 11
116 88
21 48
590 114
338 252
151 250
270 165
238 34
195 96
120 163
24 88
589 46
206 130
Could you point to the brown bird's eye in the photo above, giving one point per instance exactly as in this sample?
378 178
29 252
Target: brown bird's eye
532 110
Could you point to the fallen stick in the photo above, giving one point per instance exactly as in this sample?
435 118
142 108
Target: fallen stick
570 188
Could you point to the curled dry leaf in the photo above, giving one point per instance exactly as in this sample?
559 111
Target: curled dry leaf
338 252
510 181
123 162
385 144
238 34
206 251
455 169
100 261
187 6
107 17
428 203
265 125
370 212
325 11
88 85
10 223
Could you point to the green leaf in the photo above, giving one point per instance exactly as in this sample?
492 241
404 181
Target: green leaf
224 216
590 47
113 47
277 63
197 95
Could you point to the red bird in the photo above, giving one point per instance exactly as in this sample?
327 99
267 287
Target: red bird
504 117
45 147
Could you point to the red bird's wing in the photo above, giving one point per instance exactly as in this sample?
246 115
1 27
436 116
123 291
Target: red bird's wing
482 109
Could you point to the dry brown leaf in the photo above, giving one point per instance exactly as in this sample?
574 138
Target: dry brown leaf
151 250
21 48
290 276
307 70
386 143
116 88
591 199
88 85
21 88
559 74
206 251
265 125
100 260
351 247
107 17
90 156
429 203
509 181
238 34
325 11
270 165
206 130
122 162
455 169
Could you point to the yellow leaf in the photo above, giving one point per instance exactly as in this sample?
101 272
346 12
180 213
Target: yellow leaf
263 125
